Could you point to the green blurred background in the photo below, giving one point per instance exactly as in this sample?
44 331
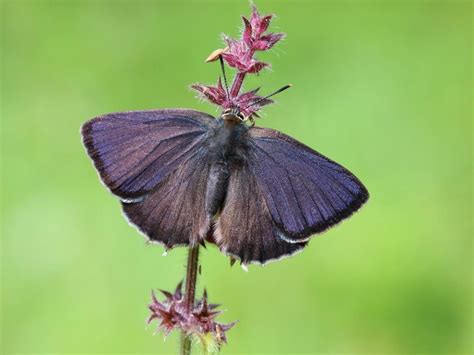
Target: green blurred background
385 88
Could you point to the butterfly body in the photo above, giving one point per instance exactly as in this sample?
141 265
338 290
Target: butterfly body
226 145
184 177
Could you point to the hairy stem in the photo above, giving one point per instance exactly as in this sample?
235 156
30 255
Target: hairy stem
190 291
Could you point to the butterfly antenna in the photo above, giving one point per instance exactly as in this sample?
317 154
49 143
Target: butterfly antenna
225 77
268 96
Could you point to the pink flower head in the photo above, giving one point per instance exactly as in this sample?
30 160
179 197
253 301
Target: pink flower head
248 102
172 314
253 34
215 94
240 55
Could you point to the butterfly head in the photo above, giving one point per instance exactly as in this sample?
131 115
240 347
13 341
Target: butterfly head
233 115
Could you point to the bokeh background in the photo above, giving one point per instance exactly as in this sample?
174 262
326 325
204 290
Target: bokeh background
385 88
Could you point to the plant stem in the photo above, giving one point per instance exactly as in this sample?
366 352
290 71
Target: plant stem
190 291
237 84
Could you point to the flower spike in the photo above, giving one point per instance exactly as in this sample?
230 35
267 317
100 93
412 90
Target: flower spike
240 55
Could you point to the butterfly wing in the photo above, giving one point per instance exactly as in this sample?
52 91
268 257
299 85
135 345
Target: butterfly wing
157 163
279 194
175 212
245 228
134 151
305 192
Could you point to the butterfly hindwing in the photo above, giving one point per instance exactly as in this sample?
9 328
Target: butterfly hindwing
245 228
305 192
175 212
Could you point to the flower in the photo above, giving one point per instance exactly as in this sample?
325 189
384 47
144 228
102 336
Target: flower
215 94
200 321
240 55
248 102
254 29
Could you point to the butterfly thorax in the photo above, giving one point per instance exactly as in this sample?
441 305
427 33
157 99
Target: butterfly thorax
227 141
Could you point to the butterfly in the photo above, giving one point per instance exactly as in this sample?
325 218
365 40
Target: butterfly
185 177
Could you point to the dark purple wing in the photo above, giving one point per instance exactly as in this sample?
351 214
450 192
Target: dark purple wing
134 151
245 228
175 212
156 162
305 192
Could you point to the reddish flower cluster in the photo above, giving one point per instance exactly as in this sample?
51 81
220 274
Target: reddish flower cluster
240 54
172 314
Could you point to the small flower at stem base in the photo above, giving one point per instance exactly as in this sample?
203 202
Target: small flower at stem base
200 321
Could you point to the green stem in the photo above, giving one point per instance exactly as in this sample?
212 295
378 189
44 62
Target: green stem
190 291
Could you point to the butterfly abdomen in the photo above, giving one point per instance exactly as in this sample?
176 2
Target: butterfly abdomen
216 189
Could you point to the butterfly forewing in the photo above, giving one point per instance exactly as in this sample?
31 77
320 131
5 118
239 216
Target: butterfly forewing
305 192
134 151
